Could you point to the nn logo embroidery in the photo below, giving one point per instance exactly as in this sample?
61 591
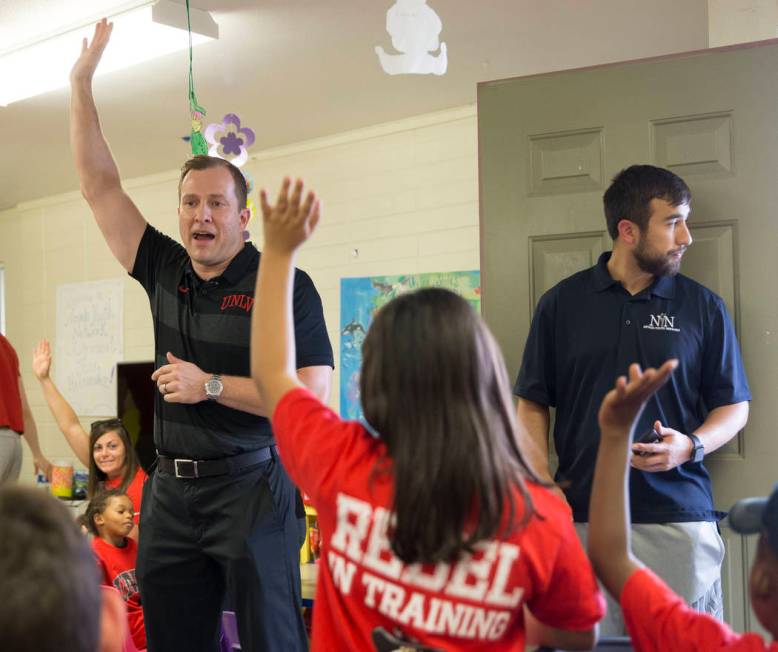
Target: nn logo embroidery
661 322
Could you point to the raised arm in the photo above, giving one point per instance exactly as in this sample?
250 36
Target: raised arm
66 418
286 225
609 518
119 220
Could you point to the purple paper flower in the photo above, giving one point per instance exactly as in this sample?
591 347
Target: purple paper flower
227 138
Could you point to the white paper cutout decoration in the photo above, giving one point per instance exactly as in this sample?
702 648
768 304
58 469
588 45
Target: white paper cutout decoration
415 29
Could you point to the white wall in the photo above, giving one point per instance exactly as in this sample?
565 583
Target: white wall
404 195
741 21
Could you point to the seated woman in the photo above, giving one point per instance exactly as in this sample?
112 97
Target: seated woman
106 450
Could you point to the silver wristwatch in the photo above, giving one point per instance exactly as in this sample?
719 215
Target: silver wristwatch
214 387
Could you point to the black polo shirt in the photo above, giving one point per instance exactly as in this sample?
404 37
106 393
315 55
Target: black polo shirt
208 323
586 332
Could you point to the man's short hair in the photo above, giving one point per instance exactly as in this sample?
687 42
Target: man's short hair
630 194
48 576
202 162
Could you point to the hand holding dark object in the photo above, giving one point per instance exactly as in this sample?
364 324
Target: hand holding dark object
673 449
650 437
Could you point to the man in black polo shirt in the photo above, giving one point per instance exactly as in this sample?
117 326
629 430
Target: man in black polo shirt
633 306
219 511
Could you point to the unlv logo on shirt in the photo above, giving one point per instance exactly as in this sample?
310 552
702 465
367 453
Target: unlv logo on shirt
661 322
242 301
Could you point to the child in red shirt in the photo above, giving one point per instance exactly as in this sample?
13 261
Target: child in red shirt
110 517
656 618
435 533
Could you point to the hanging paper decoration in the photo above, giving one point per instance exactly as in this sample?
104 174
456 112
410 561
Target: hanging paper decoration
196 137
415 30
196 112
228 140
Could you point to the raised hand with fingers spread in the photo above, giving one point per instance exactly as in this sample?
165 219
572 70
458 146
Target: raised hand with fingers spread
289 223
624 403
41 360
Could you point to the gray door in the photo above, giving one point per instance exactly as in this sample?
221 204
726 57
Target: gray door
548 147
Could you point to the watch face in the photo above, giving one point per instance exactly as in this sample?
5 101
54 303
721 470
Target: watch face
213 387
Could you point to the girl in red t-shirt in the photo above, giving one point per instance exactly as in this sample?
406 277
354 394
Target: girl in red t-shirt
435 532
106 450
110 518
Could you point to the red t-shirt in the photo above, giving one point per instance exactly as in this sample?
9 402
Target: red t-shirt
474 604
10 400
134 489
118 567
657 619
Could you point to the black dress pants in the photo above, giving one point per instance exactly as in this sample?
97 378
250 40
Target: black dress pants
198 536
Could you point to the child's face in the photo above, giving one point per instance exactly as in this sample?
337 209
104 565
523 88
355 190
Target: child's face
763 586
117 519
109 454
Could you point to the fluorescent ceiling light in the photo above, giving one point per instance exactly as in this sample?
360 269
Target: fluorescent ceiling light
144 32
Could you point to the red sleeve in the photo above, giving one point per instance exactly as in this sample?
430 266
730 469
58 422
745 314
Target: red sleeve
102 569
135 492
658 619
15 358
570 597
315 444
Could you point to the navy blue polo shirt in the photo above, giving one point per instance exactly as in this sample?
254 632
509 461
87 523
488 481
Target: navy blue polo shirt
209 323
586 332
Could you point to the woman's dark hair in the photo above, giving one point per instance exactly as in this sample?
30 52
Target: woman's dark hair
97 478
434 386
97 506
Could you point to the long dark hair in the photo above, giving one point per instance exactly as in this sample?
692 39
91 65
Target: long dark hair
434 386
97 478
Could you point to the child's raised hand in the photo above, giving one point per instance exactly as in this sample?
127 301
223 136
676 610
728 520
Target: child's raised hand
41 360
622 405
289 222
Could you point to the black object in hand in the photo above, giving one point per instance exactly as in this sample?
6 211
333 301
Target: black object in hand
650 437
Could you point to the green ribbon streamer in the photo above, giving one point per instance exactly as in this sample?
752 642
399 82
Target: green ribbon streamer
197 112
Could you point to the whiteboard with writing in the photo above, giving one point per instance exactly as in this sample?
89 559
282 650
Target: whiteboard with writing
89 344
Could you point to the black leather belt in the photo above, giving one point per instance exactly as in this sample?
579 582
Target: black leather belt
190 469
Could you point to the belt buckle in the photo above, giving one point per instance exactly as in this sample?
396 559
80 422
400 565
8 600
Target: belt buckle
185 473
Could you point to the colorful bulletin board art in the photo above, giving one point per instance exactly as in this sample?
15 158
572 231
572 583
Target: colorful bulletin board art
361 298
